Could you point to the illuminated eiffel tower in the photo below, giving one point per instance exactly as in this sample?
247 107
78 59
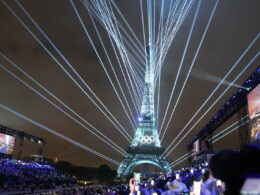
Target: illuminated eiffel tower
146 146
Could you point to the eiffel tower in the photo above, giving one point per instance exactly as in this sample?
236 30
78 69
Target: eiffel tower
146 146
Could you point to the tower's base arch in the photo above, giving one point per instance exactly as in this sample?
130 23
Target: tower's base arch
128 164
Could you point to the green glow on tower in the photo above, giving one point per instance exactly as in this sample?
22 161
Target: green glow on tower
146 133
145 146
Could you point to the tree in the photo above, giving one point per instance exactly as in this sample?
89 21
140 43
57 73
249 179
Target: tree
105 173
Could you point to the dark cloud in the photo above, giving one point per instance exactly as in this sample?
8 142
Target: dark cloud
13 48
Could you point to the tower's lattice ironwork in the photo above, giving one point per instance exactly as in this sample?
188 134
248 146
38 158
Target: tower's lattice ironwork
146 146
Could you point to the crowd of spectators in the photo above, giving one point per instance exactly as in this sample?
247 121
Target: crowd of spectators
182 182
16 175
224 174
20 176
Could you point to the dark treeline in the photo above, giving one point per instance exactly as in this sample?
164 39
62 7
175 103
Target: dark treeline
103 174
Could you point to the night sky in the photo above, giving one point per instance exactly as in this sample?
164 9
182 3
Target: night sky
234 25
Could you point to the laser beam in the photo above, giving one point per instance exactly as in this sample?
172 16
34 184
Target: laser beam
116 147
59 134
243 70
213 92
